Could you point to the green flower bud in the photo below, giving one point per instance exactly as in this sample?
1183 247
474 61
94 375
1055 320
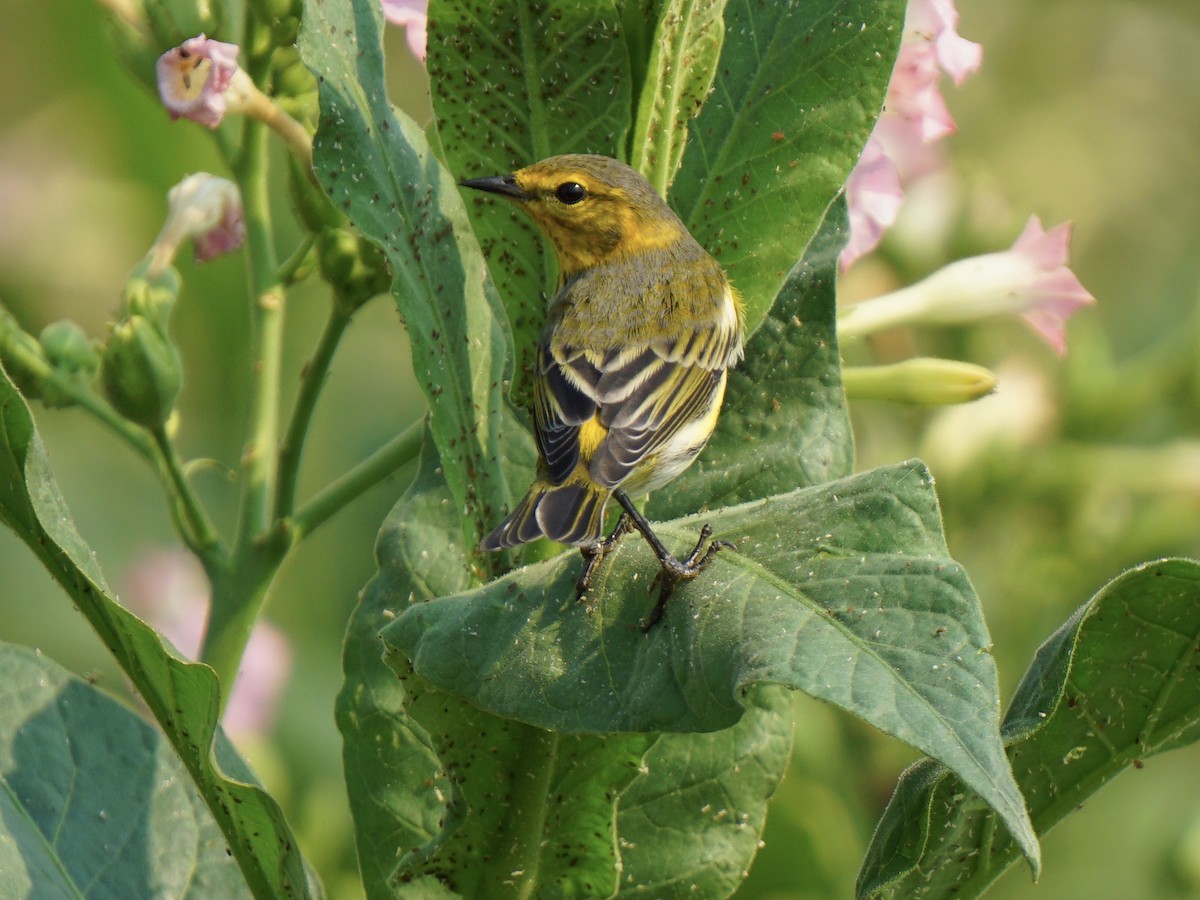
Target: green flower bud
920 381
68 351
140 371
22 357
353 266
150 296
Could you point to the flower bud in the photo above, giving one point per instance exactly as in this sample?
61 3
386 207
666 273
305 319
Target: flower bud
140 371
70 353
921 381
353 266
22 356
150 294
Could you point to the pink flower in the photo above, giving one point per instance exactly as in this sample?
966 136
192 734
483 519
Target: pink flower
168 589
1058 293
193 79
914 116
874 193
937 20
207 210
1030 279
410 14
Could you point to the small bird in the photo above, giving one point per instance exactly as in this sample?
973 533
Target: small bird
631 366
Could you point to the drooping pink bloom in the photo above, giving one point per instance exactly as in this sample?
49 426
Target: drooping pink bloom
168 590
914 116
1031 279
206 209
193 79
875 198
412 15
938 20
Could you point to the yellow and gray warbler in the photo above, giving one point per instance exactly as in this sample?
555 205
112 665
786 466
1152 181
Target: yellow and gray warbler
631 366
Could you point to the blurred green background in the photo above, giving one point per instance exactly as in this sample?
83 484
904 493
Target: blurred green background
1074 470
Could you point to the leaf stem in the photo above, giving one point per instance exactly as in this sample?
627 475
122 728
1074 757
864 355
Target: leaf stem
398 452
315 374
293 264
196 528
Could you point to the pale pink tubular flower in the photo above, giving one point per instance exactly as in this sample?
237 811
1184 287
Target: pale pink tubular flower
206 209
1030 279
874 189
1059 292
412 15
194 77
168 590
914 116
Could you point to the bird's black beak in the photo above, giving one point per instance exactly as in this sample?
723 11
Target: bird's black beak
504 185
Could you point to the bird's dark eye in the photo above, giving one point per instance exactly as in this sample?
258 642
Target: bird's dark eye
570 192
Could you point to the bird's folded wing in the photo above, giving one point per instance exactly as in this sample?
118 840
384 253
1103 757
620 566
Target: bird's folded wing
638 397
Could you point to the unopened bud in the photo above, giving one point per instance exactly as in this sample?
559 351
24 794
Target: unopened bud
150 294
70 353
22 357
140 371
921 381
353 266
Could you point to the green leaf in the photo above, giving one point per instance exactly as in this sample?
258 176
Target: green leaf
691 824
845 591
513 82
446 797
377 166
798 89
682 64
1116 684
784 423
182 696
93 800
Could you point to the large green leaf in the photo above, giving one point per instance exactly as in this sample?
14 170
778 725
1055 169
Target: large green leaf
446 796
845 591
798 88
449 799
377 166
515 81
682 62
93 800
693 821
182 696
1116 684
785 423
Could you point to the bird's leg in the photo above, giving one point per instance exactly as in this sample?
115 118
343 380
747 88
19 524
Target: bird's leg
673 571
594 554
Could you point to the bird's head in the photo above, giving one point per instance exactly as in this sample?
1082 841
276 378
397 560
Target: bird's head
593 209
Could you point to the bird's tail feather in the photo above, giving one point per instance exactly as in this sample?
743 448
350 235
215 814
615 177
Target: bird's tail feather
571 513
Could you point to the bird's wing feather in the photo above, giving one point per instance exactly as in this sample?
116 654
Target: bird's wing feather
643 410
563 399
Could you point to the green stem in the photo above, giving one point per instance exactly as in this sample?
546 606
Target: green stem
315 374
398 452
196 528
240 586
259 458
298 259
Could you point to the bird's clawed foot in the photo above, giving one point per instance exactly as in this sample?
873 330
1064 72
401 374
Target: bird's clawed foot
594 555
673 571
